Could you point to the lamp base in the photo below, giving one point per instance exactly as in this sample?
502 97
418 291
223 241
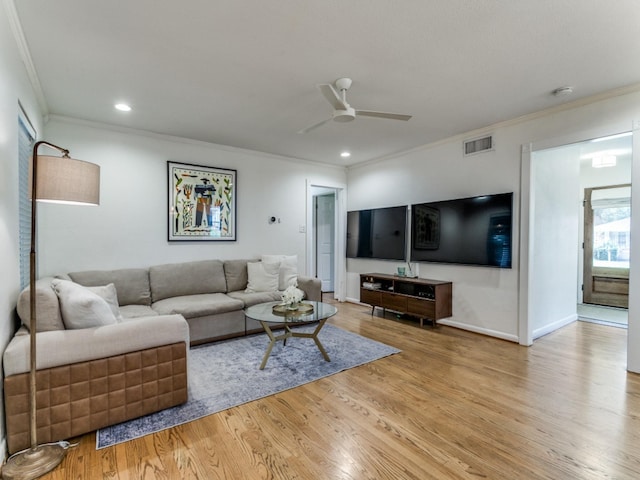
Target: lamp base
34 462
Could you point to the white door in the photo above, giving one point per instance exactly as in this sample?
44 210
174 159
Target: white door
325 235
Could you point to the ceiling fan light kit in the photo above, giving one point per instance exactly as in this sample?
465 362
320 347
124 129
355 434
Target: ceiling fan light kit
342 111
344 115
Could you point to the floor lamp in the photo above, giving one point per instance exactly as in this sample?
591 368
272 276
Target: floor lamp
58 180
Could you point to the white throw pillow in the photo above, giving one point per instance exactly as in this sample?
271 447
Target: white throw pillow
263 277
80 307
287 268
110 295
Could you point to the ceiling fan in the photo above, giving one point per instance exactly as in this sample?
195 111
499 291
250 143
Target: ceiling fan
343 112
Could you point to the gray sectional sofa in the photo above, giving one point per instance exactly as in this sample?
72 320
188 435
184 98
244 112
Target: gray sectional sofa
89 378
210 294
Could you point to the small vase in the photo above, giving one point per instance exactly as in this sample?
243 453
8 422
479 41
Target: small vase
292 306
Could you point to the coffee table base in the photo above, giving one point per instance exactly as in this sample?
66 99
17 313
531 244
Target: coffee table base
288 334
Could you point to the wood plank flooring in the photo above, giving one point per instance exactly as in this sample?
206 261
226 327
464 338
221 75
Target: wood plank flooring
452 405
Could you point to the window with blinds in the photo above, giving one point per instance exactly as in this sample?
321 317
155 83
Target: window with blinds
26 137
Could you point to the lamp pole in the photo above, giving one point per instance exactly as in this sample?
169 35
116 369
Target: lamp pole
37 460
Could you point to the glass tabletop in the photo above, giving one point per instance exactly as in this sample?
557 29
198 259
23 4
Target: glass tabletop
264 312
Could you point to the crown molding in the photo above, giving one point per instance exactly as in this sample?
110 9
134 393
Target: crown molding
25 54
184 140
488 130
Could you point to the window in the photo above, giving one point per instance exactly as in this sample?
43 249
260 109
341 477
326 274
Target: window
26 136
611 236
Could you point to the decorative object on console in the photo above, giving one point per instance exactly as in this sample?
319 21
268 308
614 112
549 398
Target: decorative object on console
202 202
60 180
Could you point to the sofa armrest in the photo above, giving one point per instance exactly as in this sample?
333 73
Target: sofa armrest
64 347
312 287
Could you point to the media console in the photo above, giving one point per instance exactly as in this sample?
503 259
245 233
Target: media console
419 297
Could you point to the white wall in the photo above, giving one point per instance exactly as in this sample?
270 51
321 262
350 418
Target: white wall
484 299
14 88
555 211
129 228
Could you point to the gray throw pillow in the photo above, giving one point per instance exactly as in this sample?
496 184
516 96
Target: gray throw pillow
80 307
109 294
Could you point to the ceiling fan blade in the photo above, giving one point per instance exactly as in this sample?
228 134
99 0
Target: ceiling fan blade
332 96
391 116
315 125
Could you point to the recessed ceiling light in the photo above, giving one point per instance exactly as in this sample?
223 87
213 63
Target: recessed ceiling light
345 154
123 107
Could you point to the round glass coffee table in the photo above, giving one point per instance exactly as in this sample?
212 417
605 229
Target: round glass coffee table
265 314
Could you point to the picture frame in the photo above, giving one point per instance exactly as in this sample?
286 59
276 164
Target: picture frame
202 203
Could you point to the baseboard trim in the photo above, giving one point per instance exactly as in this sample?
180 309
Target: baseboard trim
540 332
484 331
463 326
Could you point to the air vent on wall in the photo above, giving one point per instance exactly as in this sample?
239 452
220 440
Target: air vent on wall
478 145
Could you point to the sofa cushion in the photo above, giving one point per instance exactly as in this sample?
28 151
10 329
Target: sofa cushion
287 268
256 297
188 278
235 272
262 277
80 307
132 284
191 306
136 311
48 315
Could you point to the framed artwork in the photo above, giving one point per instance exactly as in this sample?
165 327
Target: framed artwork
202 203
426 227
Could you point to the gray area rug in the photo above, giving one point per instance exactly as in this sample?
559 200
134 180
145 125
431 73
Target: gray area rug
226 374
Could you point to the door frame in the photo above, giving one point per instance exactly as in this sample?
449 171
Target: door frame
526 287
340 263
330 195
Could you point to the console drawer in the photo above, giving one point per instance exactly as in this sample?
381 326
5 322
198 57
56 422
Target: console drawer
394 302
372 297
422 308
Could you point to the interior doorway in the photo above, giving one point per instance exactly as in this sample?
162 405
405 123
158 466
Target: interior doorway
324 239
553 184
326 217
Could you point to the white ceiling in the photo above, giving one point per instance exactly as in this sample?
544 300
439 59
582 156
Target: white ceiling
244 72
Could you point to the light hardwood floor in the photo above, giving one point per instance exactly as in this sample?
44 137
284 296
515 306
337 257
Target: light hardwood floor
453 405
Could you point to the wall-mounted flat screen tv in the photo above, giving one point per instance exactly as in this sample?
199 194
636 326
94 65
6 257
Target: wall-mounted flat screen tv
470 231
377 233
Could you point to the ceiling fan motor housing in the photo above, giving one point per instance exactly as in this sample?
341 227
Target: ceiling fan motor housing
343 116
